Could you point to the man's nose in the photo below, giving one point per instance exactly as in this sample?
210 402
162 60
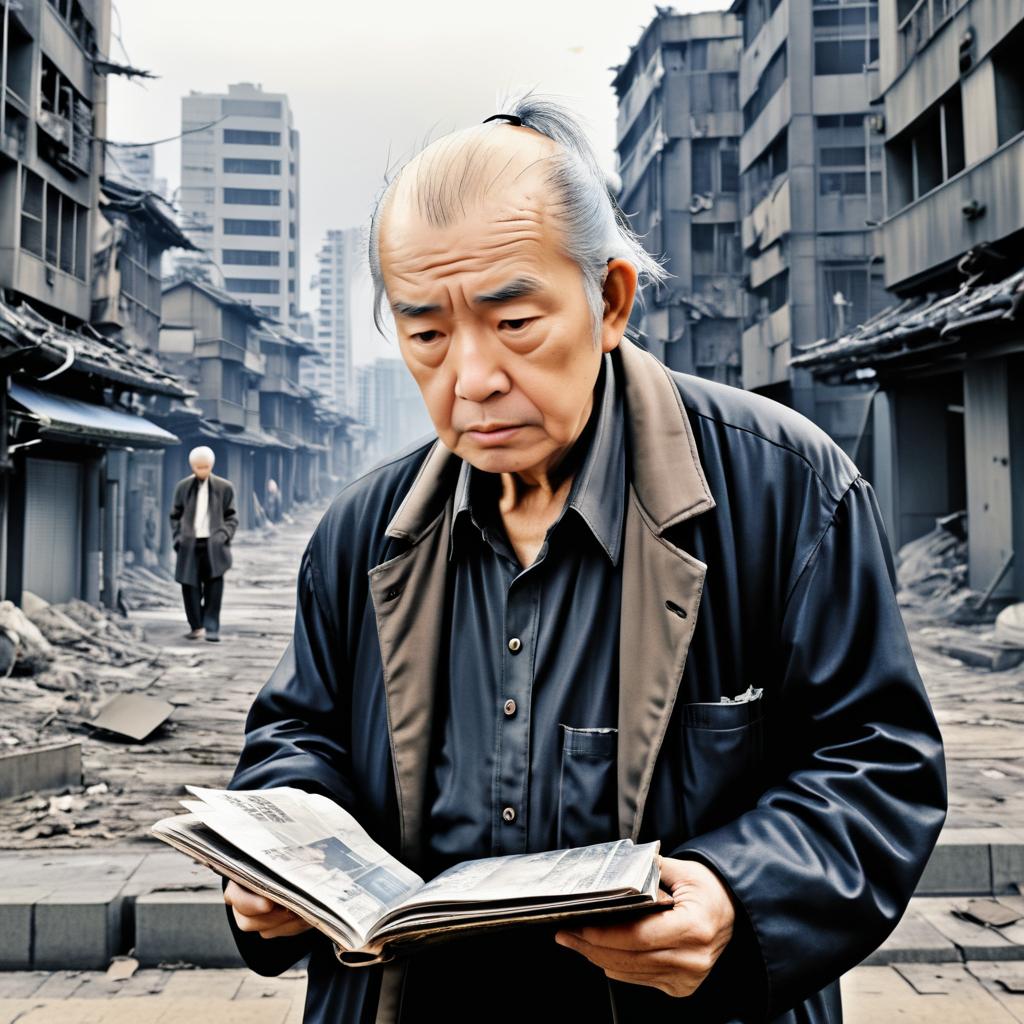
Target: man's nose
478 370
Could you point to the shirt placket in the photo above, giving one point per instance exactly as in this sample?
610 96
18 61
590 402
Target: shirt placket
512 763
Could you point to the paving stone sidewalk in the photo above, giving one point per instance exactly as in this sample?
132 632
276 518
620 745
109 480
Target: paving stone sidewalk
971 993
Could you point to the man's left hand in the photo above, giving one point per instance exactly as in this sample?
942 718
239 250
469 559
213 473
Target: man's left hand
672 950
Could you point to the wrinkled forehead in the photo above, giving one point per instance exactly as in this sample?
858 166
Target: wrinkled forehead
491 179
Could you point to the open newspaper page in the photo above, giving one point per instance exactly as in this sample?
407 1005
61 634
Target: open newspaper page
311 842
185 832
496 886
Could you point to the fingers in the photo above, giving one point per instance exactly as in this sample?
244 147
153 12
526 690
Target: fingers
246 902
694 962
666 929
255 913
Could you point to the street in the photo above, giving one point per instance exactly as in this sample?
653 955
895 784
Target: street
211 686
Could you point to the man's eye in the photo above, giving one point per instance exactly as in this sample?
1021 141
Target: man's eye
516 325
426 335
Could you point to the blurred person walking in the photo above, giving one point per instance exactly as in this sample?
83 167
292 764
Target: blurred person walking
203 521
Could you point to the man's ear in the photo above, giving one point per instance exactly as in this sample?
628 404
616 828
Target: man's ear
619 291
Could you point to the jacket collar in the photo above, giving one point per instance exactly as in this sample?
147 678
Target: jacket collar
666 471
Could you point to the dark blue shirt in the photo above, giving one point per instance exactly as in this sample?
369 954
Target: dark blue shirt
524 755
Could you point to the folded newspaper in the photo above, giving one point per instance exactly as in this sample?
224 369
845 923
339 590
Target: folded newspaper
303 851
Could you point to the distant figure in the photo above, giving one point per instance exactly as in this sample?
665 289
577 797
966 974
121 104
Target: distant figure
273 501
203 520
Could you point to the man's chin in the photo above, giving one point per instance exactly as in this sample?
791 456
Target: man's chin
497 460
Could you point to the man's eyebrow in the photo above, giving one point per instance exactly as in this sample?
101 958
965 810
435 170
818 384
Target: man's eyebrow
520 288
411 310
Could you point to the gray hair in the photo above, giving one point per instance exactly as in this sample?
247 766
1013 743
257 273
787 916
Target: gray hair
201 453
595 230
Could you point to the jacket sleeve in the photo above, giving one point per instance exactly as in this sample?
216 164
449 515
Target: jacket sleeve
230 513
177 510
825 864
296 735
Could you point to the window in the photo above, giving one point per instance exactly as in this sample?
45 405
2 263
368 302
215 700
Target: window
845 37
73 15
32 213
250 108
771 81
241 137
236 165
755 15
927 153
715 165
252 196
1009 76
252 227
715 250
760 177
767 298
53 226
273 311
140 284
729 155
252 257
253 285
701 153
852 294
291 260
65 120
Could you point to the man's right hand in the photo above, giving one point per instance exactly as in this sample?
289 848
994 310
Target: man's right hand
254 913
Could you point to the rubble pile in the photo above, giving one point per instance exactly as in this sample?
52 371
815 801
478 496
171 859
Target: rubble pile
63 661
932 571
148 587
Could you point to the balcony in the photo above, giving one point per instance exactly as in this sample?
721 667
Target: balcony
769 220
766 348
918 27
932 231
223 410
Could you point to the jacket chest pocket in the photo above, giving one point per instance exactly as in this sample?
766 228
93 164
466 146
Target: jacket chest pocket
586 787
723 758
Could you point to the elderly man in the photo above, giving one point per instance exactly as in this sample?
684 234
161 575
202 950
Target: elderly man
203 522
607 601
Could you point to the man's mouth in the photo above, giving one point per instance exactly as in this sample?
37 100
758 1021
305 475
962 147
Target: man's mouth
492 433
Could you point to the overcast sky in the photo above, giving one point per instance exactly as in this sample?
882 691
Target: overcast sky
369 81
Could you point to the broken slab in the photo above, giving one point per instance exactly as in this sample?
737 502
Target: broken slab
132 716
52 766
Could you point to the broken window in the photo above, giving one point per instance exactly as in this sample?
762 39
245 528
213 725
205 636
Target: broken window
53 225
65 121
845 37
853 293
73 15
715 250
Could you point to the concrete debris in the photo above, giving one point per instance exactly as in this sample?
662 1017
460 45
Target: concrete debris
1009 627
932 570
122 968
148 587
990 913
26 650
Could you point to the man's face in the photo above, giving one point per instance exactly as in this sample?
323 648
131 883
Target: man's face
202 468
494 325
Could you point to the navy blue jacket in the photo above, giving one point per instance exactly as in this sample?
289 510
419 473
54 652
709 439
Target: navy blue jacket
753 555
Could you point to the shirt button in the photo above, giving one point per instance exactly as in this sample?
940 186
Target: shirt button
515 644
510 707
509 814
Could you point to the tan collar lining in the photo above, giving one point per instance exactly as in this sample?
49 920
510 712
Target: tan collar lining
666 472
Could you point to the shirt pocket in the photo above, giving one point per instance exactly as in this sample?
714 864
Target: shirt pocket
587 787
723 753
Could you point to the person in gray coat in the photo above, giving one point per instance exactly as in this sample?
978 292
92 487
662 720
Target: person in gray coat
203 522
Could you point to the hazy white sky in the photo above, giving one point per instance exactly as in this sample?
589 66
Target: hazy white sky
369 82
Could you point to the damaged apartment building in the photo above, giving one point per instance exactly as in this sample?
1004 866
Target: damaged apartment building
811 188
678 150
72 397
947 357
